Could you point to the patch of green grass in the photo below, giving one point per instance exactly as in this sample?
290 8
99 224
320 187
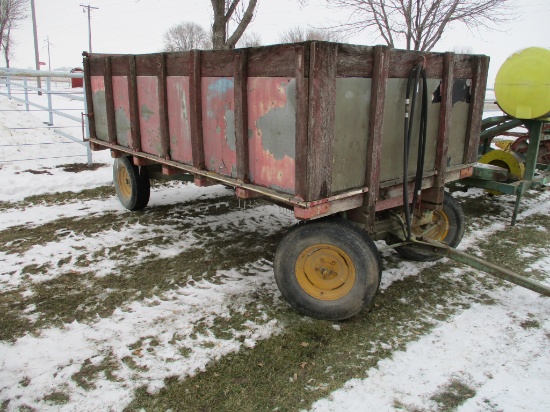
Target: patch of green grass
57 398
60 198
20 239
530 324
452 395
88 373
25 382
507 250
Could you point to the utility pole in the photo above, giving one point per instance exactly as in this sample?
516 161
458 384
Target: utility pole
49 60
89 24
36 57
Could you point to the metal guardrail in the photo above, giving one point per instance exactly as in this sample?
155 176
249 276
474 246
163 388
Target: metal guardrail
21 84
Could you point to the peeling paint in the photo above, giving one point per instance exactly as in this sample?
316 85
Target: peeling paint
121 103
123 127
230 136
100 115
149 119
146 113
272 132
218 107
221 86
278 128
179 125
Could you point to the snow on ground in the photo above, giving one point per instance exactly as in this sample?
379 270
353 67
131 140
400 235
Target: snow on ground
31 153
487 348
163 317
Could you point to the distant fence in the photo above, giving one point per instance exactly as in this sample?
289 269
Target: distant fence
16 82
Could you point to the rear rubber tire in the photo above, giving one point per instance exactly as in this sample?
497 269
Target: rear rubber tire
132 183
453 218
328 269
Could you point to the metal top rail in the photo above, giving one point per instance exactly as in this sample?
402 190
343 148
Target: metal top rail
4 71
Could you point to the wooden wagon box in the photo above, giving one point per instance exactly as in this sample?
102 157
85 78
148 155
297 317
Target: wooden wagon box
315 126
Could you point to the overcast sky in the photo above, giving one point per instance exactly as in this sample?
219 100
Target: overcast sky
130 26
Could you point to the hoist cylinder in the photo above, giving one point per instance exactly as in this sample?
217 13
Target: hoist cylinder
522 85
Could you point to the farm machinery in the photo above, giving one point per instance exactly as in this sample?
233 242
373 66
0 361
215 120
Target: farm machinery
358 142
516 147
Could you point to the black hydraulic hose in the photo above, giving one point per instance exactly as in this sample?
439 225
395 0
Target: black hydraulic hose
422 140
417 72
409 116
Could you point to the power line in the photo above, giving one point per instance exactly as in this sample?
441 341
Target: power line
49 59
89 23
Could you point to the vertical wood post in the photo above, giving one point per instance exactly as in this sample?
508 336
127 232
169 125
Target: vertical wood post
135 128
477 101
376 129
322 112
302 91
89 97
241 114
163 108
195 103
109 101
446 108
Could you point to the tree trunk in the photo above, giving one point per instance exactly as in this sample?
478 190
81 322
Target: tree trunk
220 38
219 28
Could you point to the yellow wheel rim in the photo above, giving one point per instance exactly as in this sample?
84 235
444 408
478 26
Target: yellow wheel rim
507 160
325 272
436 230
124 182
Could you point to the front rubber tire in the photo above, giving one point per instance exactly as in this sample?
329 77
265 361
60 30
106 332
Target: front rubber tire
328 269
452 217
132 183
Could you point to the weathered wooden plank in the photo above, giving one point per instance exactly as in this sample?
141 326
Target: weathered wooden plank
354 61
302 108
322 105
163 107
119 65
445 110
272 61
89 99
195 109
109 101
177 64
217 63
241 115
477 101
376 128
146 64
135 130
97 65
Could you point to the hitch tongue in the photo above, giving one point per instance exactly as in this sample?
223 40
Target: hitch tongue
477 263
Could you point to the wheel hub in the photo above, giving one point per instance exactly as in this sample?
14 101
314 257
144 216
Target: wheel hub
325 272
124 182
436 229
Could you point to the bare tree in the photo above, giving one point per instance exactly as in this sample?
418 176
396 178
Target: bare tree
11 12
238 12
251 39
186 36
420 22
7 43
298 34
